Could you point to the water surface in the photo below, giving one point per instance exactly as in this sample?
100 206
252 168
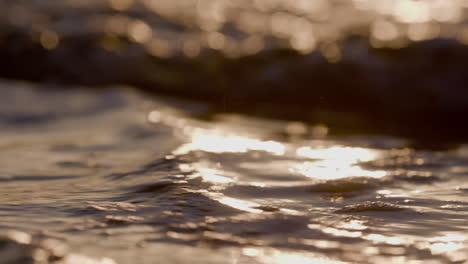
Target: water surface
112 176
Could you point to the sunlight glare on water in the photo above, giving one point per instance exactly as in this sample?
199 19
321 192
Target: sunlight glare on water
282 257
240 204
452 245
336 162
216 142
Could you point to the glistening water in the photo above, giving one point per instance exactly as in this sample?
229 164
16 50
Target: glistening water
111 176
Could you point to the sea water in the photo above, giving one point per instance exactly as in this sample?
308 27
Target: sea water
114 176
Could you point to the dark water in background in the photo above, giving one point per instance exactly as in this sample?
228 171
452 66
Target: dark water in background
112 175
388 66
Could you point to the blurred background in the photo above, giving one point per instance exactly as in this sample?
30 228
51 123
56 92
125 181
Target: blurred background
363 66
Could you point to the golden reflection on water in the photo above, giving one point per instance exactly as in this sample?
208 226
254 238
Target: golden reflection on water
318 162
273 256
211 141
81 259
335 231
336 162
213 176
240 204
389 240
326 163
348 154
452 245
353 225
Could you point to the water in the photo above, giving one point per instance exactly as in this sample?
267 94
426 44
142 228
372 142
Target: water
167 28
112 176
392 66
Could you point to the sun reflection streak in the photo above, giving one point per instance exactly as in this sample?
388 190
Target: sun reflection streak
353 225
349 154
213 176
331 170
240 204
336 162
210 142
335 231
281 257
395 241
452 245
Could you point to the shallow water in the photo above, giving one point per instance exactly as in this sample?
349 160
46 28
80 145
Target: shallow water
112 176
